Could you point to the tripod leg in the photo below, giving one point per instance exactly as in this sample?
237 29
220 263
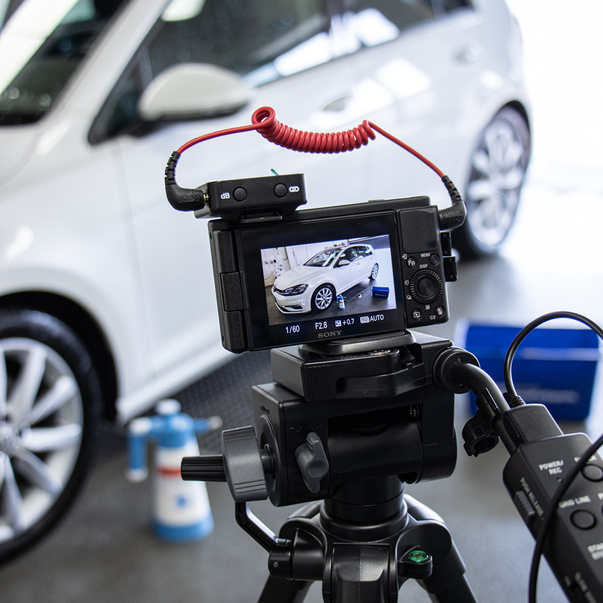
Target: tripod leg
277 590
459 592
448 583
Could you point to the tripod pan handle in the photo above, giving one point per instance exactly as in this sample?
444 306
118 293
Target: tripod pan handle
207 468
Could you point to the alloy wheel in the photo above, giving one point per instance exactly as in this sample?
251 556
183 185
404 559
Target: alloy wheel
41 425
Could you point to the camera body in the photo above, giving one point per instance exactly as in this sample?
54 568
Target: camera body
286 277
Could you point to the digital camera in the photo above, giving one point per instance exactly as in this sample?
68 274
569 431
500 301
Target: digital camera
286 277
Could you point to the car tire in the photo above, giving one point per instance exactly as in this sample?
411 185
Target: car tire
50 399
374 272
322 298
498 165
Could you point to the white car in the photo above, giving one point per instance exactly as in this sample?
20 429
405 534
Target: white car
106 295
315 284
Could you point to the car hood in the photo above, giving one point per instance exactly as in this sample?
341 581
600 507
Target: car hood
16 146
297 276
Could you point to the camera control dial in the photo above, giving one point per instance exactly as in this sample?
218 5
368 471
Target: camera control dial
426 286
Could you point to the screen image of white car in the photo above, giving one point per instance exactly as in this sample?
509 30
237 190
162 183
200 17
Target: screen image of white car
315 285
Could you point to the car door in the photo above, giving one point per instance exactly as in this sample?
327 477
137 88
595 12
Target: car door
347 269
358 274
366 260
284 52
420 59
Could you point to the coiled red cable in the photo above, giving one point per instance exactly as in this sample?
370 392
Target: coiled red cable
310 142
265 122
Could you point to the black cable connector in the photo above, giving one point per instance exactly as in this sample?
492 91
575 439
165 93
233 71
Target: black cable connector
514 401
182 199
454 216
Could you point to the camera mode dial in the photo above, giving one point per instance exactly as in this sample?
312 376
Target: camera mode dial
426 286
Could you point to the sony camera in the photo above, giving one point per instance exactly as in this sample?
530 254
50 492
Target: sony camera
285 277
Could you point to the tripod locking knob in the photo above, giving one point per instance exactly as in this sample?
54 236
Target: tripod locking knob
243 464
312 461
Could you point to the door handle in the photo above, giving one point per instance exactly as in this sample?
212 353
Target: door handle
470 53
338 104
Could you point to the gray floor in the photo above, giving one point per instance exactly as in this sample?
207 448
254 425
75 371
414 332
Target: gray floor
105 549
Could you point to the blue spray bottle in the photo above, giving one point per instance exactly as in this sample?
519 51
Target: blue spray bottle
181 509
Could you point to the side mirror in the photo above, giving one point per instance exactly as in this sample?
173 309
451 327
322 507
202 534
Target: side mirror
342 263
192 91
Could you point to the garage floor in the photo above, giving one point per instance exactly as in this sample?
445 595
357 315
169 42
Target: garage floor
105 550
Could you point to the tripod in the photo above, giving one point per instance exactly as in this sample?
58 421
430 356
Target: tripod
347 424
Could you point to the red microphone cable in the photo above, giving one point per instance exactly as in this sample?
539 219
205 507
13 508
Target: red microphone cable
264 121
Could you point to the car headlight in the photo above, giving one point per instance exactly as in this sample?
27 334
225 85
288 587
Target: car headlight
296 290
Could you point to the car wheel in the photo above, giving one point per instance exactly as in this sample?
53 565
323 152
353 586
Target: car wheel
374 272
498 166
49 398
323 297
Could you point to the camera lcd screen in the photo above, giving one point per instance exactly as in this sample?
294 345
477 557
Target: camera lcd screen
321 279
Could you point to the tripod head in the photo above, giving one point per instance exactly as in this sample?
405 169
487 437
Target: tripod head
330 420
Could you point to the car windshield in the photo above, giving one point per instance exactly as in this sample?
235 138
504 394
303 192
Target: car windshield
324 258
42 42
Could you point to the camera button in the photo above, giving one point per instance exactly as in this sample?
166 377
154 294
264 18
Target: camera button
240 194
416 314
593 473
584 520
434 259
411 262
280 190
426 286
